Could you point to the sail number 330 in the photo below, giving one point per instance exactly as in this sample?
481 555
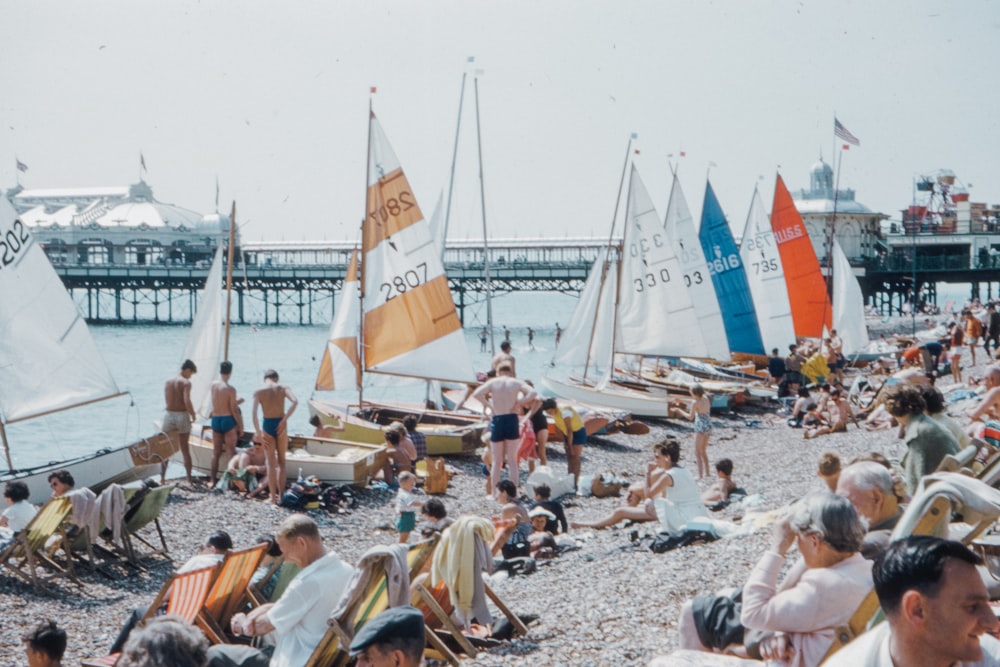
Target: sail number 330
13 243
398 285
651 280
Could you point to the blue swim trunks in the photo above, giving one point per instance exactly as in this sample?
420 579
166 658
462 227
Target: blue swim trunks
270 425
223 424
504 427
580 437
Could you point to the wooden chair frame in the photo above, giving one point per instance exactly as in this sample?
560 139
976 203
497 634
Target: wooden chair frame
34 546
228 592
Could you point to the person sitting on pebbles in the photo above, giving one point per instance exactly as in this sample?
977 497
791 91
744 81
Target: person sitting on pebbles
247 471
541 541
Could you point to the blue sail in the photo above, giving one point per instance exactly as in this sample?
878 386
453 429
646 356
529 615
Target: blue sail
729 278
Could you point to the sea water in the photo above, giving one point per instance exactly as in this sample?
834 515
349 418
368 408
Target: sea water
143 356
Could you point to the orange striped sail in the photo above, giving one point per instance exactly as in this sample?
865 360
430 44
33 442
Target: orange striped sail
807 295
410 325
340 366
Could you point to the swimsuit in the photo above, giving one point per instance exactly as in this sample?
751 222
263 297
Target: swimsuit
223 424
539 422
702 423
270 425
504 427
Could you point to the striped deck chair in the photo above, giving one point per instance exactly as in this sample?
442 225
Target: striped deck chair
32 547
331 651
229 591
930 513
187 594
284 572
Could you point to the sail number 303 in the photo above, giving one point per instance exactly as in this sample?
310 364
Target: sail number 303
13 243
398 285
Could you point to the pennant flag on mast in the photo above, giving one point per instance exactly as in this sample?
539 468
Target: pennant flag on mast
844 133
20 165
142 162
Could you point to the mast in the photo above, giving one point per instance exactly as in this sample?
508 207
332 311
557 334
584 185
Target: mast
486 243
454 159
361 258
229 279
6 447
607 260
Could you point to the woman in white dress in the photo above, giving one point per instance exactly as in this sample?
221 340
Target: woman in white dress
678 499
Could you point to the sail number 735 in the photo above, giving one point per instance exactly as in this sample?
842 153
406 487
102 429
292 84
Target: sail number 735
651 280
12 243
397 285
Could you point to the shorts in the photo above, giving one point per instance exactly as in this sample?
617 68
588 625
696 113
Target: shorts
406 522
580 437
504 427
176 422
841 363
270 425
956 352
223 424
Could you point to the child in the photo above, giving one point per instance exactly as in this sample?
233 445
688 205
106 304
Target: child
723 487
829 470
436 518
20 513
406 505
541 541
700 414
543 499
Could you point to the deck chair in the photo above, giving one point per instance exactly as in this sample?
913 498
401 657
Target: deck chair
930 512
368 596
284 572
145 511
465 542
34 546
229 591
187 594
960 462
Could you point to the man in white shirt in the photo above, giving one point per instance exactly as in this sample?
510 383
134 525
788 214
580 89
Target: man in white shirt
937 610
299 618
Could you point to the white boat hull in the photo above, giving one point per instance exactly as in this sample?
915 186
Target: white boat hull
142 459
635 402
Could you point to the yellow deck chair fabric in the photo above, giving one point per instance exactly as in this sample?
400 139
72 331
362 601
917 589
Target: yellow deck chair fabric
27 552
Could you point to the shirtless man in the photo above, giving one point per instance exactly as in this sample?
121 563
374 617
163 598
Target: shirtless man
506 396
180 413
840 415
504 356
988 408
271 399
227 422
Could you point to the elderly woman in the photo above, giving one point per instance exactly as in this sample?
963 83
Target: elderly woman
791 623
927 441
821 590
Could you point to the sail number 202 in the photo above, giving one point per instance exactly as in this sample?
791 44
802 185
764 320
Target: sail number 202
12 243
398 285
392 206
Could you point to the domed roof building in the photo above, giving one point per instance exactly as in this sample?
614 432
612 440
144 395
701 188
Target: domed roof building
857 227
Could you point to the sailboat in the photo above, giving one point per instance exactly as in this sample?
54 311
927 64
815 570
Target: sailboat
651 314
848 305
51 363
408 324
807 295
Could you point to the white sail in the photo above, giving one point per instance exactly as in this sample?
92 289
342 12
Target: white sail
340 368
48 360
587 340
436 225
848 304
656 315
760 256
681 230
410 323
204 344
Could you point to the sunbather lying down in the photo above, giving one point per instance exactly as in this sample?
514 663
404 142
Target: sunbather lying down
638 509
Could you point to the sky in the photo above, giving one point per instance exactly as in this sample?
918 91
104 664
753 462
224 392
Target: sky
271 99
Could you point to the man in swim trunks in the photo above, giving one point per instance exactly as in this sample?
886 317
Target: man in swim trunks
227 422
274 430
180 413
506 396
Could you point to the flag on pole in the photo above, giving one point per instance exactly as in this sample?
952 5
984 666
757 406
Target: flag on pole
683 153
20 165
142 161
472 59
847 147
844 133
373 90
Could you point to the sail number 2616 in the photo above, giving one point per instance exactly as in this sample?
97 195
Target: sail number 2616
398 285
12 243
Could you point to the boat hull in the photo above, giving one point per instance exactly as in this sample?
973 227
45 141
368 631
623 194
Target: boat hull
144 458
446 434
330 461
640 404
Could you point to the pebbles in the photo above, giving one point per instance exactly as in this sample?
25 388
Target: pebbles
611 602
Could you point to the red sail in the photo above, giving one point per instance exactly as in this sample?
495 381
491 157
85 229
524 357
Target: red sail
807 295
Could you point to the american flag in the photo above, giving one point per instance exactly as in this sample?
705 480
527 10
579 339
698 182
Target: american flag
844 133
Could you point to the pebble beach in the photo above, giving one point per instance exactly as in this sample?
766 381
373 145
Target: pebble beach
609 602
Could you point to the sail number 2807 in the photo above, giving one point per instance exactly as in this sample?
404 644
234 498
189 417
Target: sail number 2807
398 285
392 207
12 243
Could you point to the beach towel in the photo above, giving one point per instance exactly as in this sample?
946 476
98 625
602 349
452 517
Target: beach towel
387 559
459 560
110 509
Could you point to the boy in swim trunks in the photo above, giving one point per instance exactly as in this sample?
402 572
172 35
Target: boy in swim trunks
505 396
274 430
227 422
180 413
